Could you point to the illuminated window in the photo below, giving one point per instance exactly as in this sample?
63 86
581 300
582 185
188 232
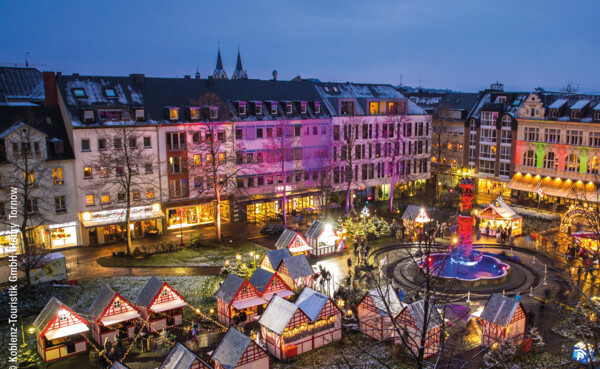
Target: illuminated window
110 92
62 316
105 198
139 115
374 107
572 163
221 157
79 92
173 113
117 304
593 165
530 159
194 113
149 193
87 172
57 176
103 172
89 200
164 292
197 159
29 178
551 161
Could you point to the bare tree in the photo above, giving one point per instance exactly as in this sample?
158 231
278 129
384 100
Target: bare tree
346 147
393 140
444 149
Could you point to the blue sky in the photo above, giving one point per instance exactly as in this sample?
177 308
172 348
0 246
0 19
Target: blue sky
462 45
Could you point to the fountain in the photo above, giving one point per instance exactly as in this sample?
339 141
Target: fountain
462 262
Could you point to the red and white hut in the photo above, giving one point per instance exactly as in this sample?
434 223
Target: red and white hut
291 329
236 294
412 320
181 357
376 310
294 242
296 271
162 305
59 331
238 351
112 314
272 259
269 284
323 239
503 318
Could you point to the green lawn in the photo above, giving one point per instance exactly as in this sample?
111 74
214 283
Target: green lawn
208 256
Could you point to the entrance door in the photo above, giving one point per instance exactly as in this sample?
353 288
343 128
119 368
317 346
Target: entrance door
93 236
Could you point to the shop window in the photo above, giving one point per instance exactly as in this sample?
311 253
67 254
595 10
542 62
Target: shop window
57 176
105 198
89 200
148 168
150 193
87 173
60 204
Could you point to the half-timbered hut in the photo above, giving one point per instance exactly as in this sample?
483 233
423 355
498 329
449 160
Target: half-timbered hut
118 365
376 310
322 238
296 271
412 321
180 357
268 284
161 305
112 314
290 329
59 331
502 318
272 259
236 350
234 295
294 242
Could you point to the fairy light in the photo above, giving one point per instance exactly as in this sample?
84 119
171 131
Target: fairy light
307 327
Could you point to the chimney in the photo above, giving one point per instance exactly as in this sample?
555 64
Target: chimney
58 74
274 75
187 76
497 86
138 79
197 75
50 89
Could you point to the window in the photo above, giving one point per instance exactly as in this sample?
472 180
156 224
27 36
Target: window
147 142
269 132
488 135
57 176
101 144
504 169
105 198
60 204
88 116
593 165
178 188
259 157
240 182
259 132
36 149
85 144
250 181
297 131
551 161
506 121
239 158
274 108
132 143
110 92
488 119
574 137
303 108
2 209
242 109
289 108
315 130
134 169
194 113
110 114
572 163
89 200
79 92
239 134
532 134
595 139
221 136
530 159
196 137
118 143
258 109
121 197
119 171
317 107
485 151
103 172
347 107
148 168
117 304
198 182
87 173
149 193
176 141
336 133
324 130
135 195
175 165
260 181
486 166
139 115
374 107
250 158
505 153
221 157
505 137
173 113
552 135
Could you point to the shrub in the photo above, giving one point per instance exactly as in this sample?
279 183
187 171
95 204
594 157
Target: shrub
272 229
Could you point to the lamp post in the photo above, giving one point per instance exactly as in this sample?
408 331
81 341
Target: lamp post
180 214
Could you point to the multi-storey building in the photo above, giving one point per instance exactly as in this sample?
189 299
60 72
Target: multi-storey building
380 140
491 139
558 148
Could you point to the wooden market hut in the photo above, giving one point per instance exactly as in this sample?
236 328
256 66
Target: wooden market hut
181 357
112 314
291 329
59 331
118 365
296 271
162 306
497 216
502 318
322 238
294 242
268 284
376 310
234 295
272 259
413 219
412 320
236 350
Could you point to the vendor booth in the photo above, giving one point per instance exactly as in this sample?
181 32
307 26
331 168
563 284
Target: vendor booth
161 305
413 219
59 331
322 238
293 241
497 217
112 315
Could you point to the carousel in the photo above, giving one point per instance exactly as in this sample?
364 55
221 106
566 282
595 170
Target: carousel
499 216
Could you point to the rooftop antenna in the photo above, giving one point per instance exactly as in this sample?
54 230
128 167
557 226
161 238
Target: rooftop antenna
400 80
420 82
26 55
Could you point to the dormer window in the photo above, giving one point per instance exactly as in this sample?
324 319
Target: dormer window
303 107
347 107
139 115
273 107
576 114
258 109
88 116
553 113
79 92
500 99
317 107
194 113
326 89
58 147
110 92
335 89
214 112
289 108
242 109
597 115
173 113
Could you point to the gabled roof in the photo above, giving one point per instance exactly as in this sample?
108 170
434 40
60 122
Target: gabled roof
499 310
277 315
411 212
48 312
386 295
311 302
417 311
181 357
298 266
230 286
104 298
149 292
315 229
21 84
275 256
118 365
261 278
502 209
285 239
231 348
52 308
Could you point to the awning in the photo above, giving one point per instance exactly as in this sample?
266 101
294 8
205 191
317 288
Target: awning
283 294
66 331
170 305
246 303
302 248
526 182
556 187
118 318
119 218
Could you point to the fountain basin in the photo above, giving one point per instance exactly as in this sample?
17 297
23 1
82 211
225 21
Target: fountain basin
487 270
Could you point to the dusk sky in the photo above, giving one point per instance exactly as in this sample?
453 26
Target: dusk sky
461 45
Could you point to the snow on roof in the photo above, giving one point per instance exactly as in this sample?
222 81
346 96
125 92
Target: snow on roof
499 310
101 302
597 107
386 295
48 312
149 292
580 104
417 311
558 104
503 210
298 266
285 239
277 315
229 288
231 348
275 256
311 302
261 278
181 357
118 365
414 109
411 212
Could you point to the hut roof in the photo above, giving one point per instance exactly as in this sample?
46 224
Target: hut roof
230 286
386 295
181 357
231 348
298 266
499 310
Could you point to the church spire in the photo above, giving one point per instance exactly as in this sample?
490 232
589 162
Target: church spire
239 72
219 72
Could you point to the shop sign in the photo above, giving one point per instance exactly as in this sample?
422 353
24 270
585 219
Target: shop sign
580 354
63 225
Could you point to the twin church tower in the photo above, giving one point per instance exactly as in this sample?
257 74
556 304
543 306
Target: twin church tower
238 73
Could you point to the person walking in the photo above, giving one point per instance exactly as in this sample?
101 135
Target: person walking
243 318
144 338
118 343
349 261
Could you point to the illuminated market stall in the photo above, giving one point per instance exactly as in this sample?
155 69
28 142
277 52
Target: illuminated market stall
322 238
499 216
293 241
112 315
413 219
161 305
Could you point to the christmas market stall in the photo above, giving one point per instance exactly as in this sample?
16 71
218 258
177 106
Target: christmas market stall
111 315
497 217
502 318
296 271
272 259
118 365
180 357
238 351
269 283
412 320
376 310
413 219
291 329
236 295
59 331
294 242
322 238
161 305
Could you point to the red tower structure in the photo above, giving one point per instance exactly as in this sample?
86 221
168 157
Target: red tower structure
465 221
